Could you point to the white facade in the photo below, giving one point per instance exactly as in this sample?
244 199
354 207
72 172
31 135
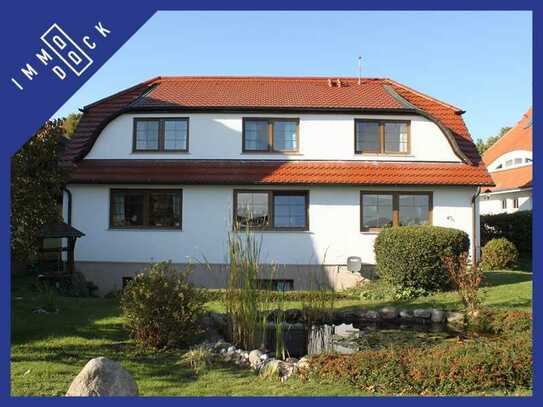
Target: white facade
321 137
334 226
506 201
207 210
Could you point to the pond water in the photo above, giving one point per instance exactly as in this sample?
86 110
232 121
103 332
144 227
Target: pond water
349 338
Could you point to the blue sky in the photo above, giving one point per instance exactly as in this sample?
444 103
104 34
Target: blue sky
478 61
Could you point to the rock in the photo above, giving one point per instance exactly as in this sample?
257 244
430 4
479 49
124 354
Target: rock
437 315
255 357
221 344
455 317
270 368
103 377
291 360
406 315
372 315
264 356
389 313
231 349
303 363
422 313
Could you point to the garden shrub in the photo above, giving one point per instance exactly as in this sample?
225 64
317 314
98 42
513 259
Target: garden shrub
410 258
456 368
501 322
467 279
161 308
498 254
515 227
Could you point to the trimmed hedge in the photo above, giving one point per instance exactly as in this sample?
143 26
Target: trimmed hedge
498 254
515 227
410 258
281 296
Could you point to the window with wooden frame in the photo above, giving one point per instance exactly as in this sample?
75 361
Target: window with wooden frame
271 210
161 135
268 135
382 136
382 209
145 208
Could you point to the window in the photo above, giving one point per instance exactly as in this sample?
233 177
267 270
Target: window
509 163
382 136
518 161
272 210
270 135
275 284
413 209
381 209
504 203
515 203
161 134
152 208
376 211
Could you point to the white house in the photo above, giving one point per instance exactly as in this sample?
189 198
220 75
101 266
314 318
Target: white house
509 162
160 171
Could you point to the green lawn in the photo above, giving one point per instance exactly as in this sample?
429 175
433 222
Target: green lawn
49 350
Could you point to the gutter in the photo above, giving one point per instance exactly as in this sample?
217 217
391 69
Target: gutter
474 225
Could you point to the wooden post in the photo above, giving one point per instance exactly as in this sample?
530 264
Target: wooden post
71 249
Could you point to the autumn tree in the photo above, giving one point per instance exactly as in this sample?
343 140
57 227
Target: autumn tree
70 123
36 187
483 145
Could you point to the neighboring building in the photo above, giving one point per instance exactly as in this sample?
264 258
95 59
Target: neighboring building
509 161
161 170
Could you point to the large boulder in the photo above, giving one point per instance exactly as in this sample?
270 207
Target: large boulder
103 377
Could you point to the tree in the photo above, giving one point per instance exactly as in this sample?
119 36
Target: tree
36 187
70 124
482 145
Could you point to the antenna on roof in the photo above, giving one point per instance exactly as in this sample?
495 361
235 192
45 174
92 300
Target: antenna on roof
359 70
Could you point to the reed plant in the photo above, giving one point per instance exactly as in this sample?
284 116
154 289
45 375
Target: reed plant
244 305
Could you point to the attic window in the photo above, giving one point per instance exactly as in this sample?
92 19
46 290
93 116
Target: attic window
161 135
382 136
270 135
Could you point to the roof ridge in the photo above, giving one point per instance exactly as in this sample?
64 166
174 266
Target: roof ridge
265 77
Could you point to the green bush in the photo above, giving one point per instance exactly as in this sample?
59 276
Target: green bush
161 308
498 254
515 227
489 364
410 258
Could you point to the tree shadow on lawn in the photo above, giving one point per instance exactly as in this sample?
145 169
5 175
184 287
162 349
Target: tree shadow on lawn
497 278
88 318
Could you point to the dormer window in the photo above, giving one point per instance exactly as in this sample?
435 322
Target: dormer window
161 135
382 136
266 135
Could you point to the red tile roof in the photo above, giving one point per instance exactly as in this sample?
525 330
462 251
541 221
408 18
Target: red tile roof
518 138
277 172
270 92
515 178
279 94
